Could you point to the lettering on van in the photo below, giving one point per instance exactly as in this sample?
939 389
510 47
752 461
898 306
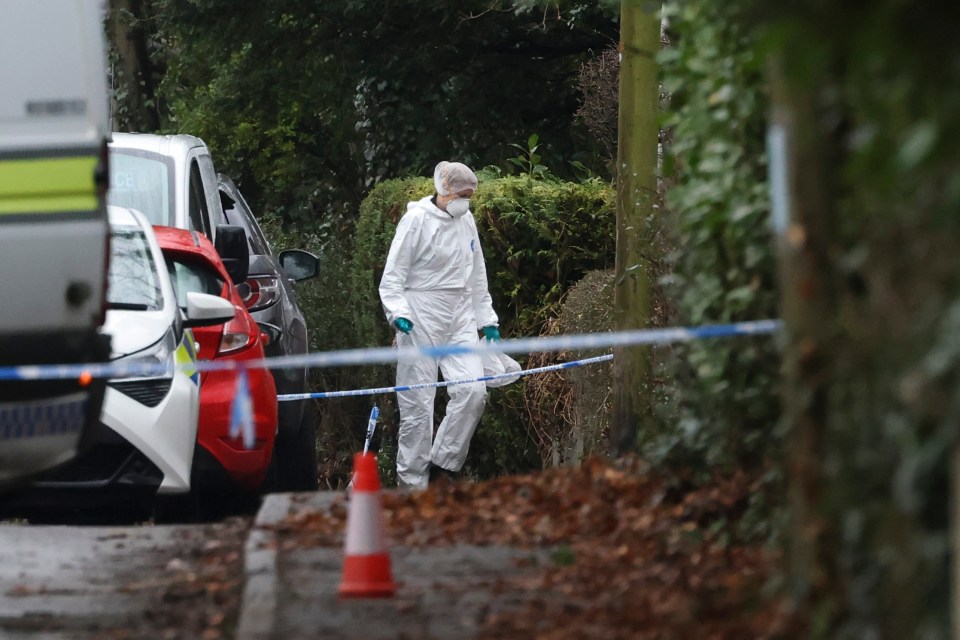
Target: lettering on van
56 107
38 420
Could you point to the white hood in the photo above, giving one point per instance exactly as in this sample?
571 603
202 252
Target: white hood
133 331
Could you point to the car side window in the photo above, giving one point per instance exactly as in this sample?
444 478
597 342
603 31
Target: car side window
187 276
209 176
238 213
133 281
199 215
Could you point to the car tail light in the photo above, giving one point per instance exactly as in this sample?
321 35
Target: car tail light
261 292
236 335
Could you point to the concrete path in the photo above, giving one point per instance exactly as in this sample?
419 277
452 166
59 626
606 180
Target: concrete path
78 583
443 592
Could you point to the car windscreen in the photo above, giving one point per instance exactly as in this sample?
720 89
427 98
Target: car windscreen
133 281
143 181
191 275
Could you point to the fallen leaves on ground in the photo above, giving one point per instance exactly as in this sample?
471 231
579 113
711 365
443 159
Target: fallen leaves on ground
634 555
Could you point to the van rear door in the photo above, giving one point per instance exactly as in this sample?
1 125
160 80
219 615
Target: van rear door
54 120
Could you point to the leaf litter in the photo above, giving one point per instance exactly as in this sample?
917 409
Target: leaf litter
634 555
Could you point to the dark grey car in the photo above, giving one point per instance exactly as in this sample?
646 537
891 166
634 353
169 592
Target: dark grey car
272 301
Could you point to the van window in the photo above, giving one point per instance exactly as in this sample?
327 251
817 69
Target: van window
199 216
143 181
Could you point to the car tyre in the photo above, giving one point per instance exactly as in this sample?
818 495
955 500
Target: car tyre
185 508
295 455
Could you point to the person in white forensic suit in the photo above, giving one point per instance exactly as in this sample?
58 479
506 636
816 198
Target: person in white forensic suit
434 292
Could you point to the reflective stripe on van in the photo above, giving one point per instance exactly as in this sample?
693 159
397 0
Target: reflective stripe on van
48 185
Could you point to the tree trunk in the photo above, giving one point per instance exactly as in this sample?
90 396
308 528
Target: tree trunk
134 89
636 196
802 210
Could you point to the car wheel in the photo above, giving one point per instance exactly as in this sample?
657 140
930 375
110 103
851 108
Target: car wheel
219 501
183 508
295 456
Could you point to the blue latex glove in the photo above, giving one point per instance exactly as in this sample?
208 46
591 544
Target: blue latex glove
403 324
491 333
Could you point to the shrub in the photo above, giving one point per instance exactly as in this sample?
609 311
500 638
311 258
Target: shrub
569 410
721 403
588 309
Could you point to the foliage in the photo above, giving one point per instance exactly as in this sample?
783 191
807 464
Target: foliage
721 405
133 78
568 411
599 110
713 402
502 444
539 238
302 102
588 308
529 159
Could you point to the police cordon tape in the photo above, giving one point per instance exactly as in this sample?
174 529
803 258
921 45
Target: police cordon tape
383 355
444 383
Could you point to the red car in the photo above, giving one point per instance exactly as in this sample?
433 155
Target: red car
222 464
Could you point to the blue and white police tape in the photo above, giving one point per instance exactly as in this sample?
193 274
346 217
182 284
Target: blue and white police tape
383 355
442 383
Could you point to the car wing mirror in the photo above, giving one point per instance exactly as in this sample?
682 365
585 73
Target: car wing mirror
204 310
271 331
299 265
231 244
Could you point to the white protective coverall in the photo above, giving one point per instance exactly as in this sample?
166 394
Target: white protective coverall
435 276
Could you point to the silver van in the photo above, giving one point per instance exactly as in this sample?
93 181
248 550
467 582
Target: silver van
168 178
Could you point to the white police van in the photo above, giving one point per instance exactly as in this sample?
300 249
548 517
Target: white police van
54 125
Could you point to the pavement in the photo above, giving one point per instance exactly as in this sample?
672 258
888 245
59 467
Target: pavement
291 592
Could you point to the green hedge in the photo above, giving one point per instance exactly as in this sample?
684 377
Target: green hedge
540 237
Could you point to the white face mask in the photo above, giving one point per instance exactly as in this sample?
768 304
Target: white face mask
458 207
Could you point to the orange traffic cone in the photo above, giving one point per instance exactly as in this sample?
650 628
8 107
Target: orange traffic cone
366 564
